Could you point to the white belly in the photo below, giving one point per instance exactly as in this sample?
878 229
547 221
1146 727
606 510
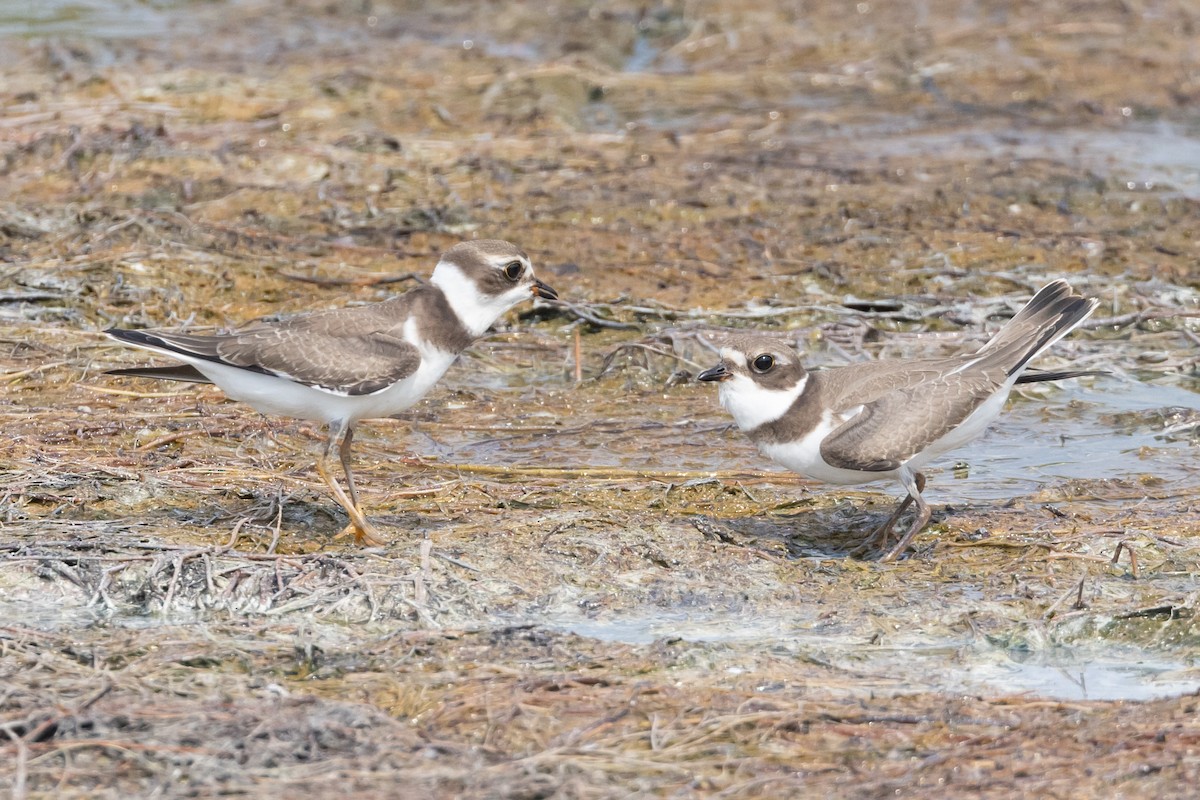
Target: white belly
804 456
279 396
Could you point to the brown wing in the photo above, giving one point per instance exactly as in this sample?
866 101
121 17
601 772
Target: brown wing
354 351
353 363
896 425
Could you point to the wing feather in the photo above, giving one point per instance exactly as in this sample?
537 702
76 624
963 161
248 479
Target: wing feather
898 424
352 363
348 354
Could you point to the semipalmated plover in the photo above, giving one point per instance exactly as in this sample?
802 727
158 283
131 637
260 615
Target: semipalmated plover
887 419
349 364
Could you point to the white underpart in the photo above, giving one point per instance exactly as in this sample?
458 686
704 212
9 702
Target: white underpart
476 310
751 405
804 455
273 395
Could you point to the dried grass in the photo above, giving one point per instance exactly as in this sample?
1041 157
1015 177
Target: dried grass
562 724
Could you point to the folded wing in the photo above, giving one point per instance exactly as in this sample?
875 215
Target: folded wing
351 362
898 424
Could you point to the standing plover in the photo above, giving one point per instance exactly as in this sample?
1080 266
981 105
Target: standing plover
349 364
886 419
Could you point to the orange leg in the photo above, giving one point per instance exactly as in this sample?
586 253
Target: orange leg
364 532
344 455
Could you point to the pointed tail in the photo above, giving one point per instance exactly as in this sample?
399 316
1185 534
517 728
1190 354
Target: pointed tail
1039 375
1053 312
174 372
151 341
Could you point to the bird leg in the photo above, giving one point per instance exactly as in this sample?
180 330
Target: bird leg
364 532
914 485
880 535
344 454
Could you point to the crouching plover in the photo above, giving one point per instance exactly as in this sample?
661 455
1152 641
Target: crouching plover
348 364
887 419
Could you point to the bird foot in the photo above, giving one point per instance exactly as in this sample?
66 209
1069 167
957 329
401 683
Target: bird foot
365 535
880 537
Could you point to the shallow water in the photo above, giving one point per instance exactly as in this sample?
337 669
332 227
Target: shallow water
1159 155
101 19
1071 432
1064 673
1072 436
1083 676
1061 673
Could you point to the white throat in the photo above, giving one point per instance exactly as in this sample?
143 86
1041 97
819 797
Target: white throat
751 405
474 309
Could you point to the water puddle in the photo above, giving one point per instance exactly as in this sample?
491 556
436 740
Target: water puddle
1076 436
667 624
951 666
101 19
1075 677
1146 156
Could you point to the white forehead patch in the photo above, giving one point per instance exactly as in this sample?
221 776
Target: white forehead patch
732 356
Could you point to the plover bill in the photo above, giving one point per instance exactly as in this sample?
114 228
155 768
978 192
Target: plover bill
345 365
887 419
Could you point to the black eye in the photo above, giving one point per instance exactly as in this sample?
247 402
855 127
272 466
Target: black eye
513 270
763 363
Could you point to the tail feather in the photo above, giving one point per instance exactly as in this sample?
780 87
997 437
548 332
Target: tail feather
1053 312
185 344
174 372
164 345
1039 375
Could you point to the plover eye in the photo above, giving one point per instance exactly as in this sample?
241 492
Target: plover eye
763 363
513 270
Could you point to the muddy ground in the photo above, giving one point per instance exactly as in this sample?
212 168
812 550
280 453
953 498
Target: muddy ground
594 586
